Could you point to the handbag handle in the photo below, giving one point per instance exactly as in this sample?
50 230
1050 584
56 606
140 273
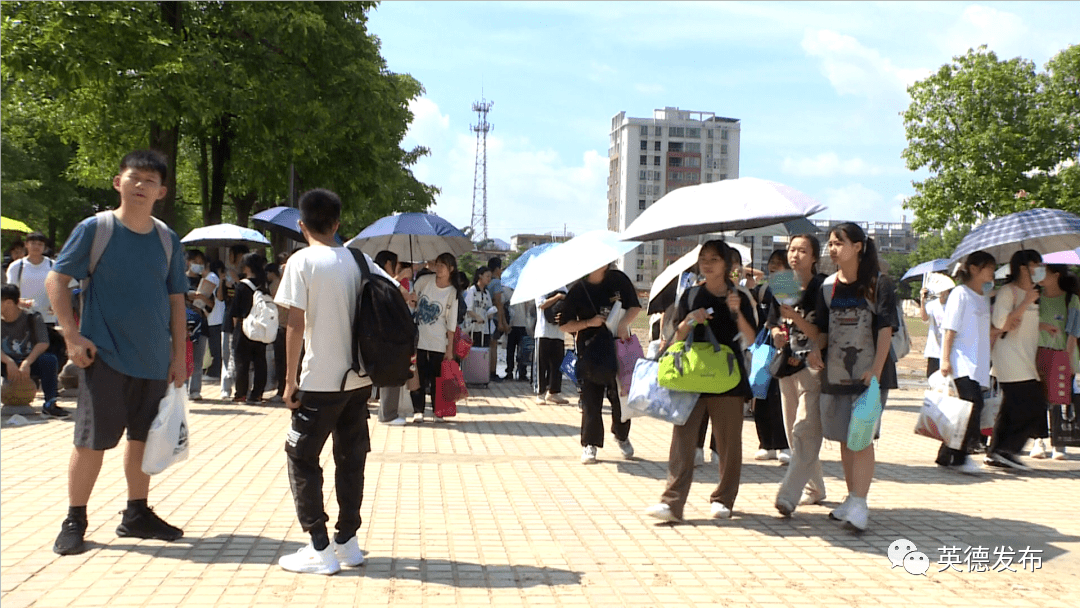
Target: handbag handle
708 334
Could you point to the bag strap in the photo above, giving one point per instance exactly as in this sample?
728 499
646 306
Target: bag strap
106 224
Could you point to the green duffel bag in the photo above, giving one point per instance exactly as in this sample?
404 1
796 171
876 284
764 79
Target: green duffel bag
699 368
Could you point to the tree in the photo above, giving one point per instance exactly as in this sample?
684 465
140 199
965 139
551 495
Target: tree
994 136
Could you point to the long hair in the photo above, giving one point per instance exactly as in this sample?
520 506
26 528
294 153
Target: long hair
974 263
257 264
1020 259
815 248
869 267
480 271
1066 281
450 261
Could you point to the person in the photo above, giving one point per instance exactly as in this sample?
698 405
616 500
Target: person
550 351
404 275
14 252
965 351
795 333
25 349
214 319
1059 328
768 412
227 292
1015 312
585 310
932 312
856 324
199 300
248 353
478 309
319 287
436 320
274 273
390 396
495 291
130 344
28 274
730 317
520 346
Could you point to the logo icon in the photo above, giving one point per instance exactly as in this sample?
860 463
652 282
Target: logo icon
904 553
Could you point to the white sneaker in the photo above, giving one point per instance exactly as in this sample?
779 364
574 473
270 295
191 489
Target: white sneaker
661 512
556 399
540 400
858 516
699 457
418 418
969 467
349 554
440 419
784 507
810 498
719 511
309 561
784 456
588 454
399 421
1038 449
765 455
1059 455
626 448
840 513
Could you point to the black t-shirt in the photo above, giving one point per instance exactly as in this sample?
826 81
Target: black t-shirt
242 302
883 309
807 306
723 323
586 300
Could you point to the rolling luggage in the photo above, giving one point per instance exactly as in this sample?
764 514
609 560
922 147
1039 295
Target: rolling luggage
476 367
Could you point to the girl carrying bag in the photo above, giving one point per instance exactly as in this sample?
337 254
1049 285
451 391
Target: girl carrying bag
944 416
699 368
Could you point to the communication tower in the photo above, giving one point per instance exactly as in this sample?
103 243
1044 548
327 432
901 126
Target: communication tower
479 200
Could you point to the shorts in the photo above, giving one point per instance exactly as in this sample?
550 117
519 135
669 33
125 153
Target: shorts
480 339
836 415
110 402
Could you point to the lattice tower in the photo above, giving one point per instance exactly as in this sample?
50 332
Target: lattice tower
479 201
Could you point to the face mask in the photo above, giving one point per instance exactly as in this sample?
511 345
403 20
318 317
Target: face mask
197 268
988 287
1038 275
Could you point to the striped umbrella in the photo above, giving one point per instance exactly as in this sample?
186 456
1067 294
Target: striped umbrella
1043 230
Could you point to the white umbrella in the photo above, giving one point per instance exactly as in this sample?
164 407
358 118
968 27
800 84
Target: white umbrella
568 262
731 204
224 235
935 283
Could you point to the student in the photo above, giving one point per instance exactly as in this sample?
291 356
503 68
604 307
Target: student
198 274
228 294
436 321
25 349
795 334
520 346
1016 313
28 274
495 290
731 317
215 319
585 312
248 353
319 287
550 350
390 396
478 309
932 311
856 331
768 412
1059 328
131 344
965 351
274 273
16 251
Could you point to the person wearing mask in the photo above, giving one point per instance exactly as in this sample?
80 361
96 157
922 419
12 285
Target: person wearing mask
932 312
247 352
227 293
1059 327
768 413
436 321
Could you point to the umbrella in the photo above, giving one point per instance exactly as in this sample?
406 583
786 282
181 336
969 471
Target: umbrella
917 271
285 220
1038 229
731 204
568 262
8 224
224 235
662 293
512 273
799 225
414 237
1071 256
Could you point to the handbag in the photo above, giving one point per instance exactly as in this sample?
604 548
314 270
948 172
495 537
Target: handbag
597 361
943 416
462 343
992 398
413 383
569 366
627 352
762 353
167 440
648 398
699 368
865 416
453 381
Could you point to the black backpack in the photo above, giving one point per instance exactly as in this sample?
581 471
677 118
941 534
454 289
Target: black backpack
383 333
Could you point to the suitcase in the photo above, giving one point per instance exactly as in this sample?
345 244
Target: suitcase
476 367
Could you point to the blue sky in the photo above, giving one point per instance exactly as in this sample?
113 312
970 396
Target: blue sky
819 88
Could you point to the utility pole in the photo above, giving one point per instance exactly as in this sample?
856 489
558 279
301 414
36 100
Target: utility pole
479 202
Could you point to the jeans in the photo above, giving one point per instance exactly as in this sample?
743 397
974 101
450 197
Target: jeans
513 341
195 381
592 414
429 368
549 356
44 369
247 353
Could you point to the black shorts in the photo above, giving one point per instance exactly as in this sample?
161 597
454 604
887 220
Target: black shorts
109 402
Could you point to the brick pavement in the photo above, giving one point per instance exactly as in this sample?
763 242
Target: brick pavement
494 508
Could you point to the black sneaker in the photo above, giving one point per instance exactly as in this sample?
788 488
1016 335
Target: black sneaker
144 523
1011 461
70 540
52 410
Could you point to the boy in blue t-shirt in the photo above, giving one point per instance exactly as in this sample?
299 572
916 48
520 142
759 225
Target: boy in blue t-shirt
130 343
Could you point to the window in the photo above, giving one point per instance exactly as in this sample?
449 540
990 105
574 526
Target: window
674 146
655 249
693 146
677 132
640 278
656 146
708 149
656 190
692 161
674 161
641 204
641 263
723 163
655 161
708 133
723 176
644 145
643 174
723 134
708 178
641 189
659 131
644 131
693 132
643 159
723 148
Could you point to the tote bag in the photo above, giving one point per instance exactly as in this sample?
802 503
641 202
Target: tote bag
762 354
627 352
699 368
943 415
865 417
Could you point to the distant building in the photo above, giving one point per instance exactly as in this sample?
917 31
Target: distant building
522 242
649 157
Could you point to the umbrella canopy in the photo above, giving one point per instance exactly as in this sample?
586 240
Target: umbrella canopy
512 273
937 283
799 225
1038 229
1071 256
568 262
731 204
283 220
662 293
917 271
8 224
224 235
414 237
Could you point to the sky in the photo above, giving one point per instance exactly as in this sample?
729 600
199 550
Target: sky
819 89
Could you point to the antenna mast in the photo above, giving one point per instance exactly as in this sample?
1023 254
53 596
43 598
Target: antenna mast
479 201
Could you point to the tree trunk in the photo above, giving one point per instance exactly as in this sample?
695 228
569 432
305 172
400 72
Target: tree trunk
244 203
166 138
220 152
204 181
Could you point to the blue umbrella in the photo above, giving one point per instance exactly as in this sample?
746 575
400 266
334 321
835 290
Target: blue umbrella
414 237
917 271
285 220
1044 230
512 272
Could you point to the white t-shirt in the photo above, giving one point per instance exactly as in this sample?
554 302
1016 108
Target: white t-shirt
936 312
543 328
478 302
322 282
32 285
436 313
1014 353
217 313
968 314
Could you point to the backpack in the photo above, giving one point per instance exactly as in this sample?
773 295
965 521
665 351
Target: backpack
261 322
901 340
383 333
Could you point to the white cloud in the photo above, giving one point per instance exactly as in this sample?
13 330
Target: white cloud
856 202
1002 32
828 164
855 69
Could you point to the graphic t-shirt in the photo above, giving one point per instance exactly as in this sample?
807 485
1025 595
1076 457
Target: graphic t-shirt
1067 321
853 323
436 313
477 302
23 334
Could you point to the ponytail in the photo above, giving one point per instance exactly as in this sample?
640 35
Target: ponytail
869 267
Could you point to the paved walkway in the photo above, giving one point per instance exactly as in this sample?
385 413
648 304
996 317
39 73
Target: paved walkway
495 508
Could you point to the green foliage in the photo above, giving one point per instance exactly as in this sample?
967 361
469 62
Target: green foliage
993 135
898 264
937 246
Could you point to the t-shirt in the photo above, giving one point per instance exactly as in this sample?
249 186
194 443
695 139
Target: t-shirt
1052 311
1014 352
936 314
23 334
543 328
217 313
723 324
322 282
477 302
801 345
585 300
520 313
968 314
32 284
495 288
852 345
126 311
436 313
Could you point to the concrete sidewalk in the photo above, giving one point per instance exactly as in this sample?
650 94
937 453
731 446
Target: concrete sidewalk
493 507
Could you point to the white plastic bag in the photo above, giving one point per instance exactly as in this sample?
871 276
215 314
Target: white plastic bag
648 398
167 441
943 416
992 399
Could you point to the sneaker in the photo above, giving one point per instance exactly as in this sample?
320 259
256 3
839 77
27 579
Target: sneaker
1038 450
626 448
1005 461
662 512
858 516
719 511
440 419
310 561
784 456
556 399
417 418
765 455
276 399
840 513
1059 454
588 454
52 410
784 507
349 553
699 457
399 421
811 498
144 523
968 467
540 400
70 541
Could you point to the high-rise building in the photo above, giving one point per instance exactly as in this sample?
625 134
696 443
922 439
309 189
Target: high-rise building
649 157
